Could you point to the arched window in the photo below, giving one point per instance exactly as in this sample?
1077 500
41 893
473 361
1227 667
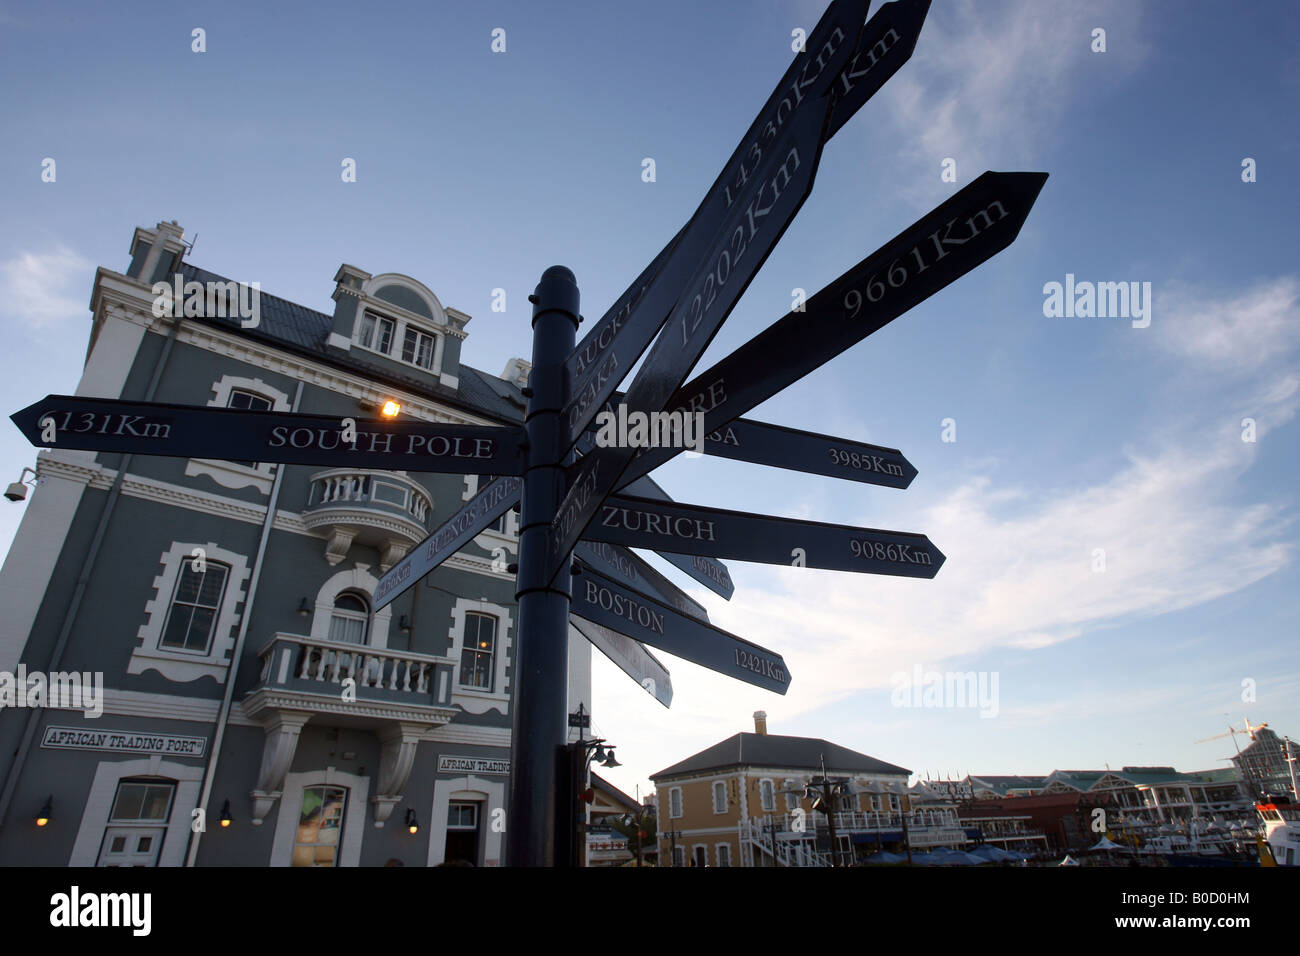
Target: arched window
348 620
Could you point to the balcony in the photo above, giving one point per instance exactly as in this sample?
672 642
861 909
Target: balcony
303 674
379 508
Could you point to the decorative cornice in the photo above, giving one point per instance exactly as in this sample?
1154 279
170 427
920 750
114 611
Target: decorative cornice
264 699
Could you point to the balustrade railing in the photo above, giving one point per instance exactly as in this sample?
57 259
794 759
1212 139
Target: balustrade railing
296 661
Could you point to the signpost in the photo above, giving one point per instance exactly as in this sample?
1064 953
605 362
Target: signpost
604 504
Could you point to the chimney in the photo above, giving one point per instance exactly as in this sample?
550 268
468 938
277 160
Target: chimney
760 722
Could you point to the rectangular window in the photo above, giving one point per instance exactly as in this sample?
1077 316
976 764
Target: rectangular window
462 816
320 826
719 797
195 606
499 526
376 332
417 348
679 856
241 399
766 795
724 854
137 823
675 802
478 651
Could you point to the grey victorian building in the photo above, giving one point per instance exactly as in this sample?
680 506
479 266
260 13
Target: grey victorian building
256 709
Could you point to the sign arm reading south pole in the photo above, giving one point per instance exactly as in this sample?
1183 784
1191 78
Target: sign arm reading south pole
195 431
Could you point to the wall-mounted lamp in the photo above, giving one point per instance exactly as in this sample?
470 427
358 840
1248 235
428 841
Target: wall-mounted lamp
389 407
404 624
225 814
43 817
18 490
412 824
303 609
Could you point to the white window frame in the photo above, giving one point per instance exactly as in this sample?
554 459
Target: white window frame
401 322
471 699
792 797
98 806
678 854
179 665
718 848
716 785
354 815
361 580
767 800
230 474
675 797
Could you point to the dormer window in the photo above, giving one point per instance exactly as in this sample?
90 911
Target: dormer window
417 348
375 332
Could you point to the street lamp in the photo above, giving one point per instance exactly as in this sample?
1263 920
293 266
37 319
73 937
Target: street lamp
579 756
824 792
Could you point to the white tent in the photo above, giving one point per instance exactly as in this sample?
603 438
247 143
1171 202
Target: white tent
1068 861
1106 843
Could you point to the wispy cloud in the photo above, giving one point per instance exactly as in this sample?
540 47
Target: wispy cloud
990 83
40 289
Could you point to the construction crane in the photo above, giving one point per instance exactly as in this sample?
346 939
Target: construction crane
1232 732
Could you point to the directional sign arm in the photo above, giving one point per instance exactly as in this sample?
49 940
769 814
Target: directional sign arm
762 444
605 602
708 570
452 535
967 230
691 529
627 567
629 656
195 431
607 354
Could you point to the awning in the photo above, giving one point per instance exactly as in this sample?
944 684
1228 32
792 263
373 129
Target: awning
879 836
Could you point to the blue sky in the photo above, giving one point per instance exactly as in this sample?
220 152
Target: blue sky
477 170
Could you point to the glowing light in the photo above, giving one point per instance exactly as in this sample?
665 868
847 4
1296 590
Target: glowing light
391 408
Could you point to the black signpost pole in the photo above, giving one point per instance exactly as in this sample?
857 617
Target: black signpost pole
540 717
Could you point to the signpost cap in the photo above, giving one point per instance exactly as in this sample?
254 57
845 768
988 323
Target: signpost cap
556 291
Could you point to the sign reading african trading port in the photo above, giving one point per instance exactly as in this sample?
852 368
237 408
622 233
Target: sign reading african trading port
454 533
449 763
188 431
122 741
604 601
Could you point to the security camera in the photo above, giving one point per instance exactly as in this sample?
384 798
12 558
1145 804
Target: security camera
16 491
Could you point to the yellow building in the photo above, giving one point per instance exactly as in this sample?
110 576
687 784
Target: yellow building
741 803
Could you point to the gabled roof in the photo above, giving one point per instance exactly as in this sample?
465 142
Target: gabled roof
1003 783
614 793
289 325
772 750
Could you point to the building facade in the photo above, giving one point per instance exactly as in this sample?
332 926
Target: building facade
742 802
256 709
